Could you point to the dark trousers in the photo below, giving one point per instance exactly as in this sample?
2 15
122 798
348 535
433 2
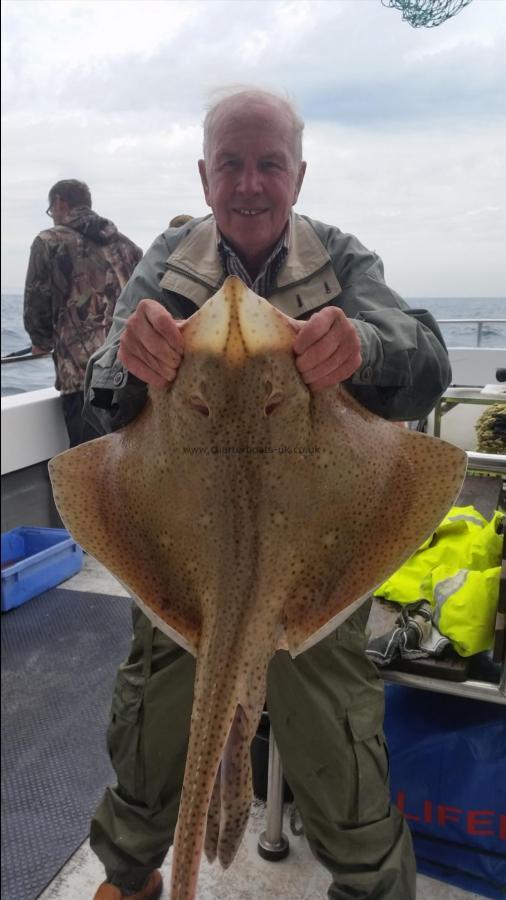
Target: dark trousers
79 431
326 710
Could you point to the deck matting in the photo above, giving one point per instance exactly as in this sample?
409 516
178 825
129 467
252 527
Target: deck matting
60 653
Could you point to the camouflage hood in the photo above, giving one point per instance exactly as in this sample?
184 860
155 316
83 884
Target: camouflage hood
90 225
76 272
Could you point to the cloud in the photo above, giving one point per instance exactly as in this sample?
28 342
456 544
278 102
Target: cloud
429 202
404 128
344 61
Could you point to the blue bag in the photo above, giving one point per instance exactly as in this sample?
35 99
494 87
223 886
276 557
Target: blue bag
448 777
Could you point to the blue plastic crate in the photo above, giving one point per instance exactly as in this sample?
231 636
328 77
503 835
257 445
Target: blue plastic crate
34 560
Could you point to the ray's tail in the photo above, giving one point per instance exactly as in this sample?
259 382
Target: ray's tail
202 764
220 736
232 794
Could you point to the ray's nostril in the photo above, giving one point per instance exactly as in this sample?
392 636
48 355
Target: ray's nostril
273 403
199 406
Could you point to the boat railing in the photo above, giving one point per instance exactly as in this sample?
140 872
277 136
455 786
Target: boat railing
478 322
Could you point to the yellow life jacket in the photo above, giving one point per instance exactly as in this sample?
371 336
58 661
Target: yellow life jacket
457 570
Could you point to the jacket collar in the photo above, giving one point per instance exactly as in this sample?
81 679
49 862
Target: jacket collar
305 281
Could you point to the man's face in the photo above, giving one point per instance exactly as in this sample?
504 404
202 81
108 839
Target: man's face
58 209
251 179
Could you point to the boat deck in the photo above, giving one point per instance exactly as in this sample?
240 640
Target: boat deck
298 877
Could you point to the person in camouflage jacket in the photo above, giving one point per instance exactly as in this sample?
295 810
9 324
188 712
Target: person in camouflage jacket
76 272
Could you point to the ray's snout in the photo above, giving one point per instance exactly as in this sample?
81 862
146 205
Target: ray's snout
237 324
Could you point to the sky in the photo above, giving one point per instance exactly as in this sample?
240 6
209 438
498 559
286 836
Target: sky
405 135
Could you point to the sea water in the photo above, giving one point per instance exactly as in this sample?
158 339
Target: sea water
39 373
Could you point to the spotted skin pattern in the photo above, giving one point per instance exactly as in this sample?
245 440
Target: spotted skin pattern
246 514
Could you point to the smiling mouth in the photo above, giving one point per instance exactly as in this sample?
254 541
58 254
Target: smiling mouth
250 212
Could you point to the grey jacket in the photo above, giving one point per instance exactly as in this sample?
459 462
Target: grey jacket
405 366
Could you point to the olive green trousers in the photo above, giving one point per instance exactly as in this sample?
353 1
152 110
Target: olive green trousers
326 710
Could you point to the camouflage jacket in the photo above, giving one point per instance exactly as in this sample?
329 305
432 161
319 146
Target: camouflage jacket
76 273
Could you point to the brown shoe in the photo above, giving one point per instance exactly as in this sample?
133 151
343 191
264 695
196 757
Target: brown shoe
151 891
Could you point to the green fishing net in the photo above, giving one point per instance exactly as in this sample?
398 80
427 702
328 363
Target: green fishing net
427 13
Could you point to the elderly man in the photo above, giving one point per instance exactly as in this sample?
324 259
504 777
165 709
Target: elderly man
326 706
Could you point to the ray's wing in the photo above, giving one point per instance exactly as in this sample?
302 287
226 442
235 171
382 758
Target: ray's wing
107 492
381 490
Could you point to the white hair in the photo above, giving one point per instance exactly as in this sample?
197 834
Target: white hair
235 96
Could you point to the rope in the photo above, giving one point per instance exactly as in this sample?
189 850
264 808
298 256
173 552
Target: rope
491 429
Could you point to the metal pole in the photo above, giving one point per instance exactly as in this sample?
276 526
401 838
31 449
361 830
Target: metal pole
486 462
476 690
273 844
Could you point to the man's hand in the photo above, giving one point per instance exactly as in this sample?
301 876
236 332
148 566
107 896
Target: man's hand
327 348
151 346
